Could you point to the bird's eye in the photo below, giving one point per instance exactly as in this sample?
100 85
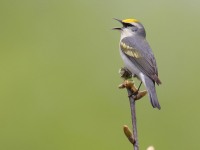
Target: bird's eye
134 28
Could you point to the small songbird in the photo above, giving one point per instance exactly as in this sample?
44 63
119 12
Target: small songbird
138 56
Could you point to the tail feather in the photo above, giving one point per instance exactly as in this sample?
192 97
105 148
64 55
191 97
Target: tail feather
150 86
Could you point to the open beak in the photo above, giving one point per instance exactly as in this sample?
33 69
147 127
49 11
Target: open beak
117 28
118 20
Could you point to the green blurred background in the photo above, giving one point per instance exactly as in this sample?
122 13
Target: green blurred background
59 64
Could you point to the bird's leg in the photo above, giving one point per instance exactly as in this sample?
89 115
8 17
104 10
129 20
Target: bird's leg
139 86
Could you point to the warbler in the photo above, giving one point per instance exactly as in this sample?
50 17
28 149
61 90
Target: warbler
138 56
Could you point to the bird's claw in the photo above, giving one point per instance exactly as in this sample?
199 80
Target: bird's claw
135 92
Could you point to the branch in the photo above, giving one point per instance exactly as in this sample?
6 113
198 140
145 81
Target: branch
133 114
133 95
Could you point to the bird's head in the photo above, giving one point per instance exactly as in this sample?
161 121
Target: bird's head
131 27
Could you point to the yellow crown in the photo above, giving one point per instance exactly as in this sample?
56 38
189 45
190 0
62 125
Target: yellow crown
129 20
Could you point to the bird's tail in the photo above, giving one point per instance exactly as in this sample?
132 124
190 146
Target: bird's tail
150 86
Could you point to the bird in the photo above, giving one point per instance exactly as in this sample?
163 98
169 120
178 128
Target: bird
138 57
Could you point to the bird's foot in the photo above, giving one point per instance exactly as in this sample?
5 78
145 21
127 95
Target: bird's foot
135 91
133 94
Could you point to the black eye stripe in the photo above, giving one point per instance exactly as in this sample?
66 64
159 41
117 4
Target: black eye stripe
128 25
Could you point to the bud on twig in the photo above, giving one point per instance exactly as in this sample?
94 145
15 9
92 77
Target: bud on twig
128 134
150 148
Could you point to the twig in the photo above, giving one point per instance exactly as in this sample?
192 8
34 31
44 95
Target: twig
133 95
133 117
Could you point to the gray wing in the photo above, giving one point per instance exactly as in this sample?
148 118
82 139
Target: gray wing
139 52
